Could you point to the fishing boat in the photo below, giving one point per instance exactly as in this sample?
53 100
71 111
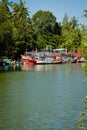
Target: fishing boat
39 60
82 59
48 60
3 63
27 59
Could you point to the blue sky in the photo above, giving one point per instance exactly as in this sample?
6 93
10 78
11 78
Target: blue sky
59 8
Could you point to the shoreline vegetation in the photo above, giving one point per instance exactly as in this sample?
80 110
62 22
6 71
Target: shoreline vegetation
82 121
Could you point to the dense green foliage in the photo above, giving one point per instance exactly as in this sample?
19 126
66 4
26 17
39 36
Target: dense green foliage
82 121
19 32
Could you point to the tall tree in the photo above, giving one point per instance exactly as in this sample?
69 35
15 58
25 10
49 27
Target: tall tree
83 46
65 19
70 33
5 29
45 27
85 12
44 21
22 28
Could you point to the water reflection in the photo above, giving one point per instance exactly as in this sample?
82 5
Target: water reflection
10 68
28 67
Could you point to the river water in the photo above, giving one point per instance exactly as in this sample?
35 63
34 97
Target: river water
41 97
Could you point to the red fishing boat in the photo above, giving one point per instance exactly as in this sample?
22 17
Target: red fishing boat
28 59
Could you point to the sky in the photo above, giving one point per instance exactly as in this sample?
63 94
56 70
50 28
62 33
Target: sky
59 8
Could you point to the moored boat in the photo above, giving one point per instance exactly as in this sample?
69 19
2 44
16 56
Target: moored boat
3 63
47 60
81 60
28 59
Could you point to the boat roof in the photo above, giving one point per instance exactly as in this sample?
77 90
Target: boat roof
60 49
